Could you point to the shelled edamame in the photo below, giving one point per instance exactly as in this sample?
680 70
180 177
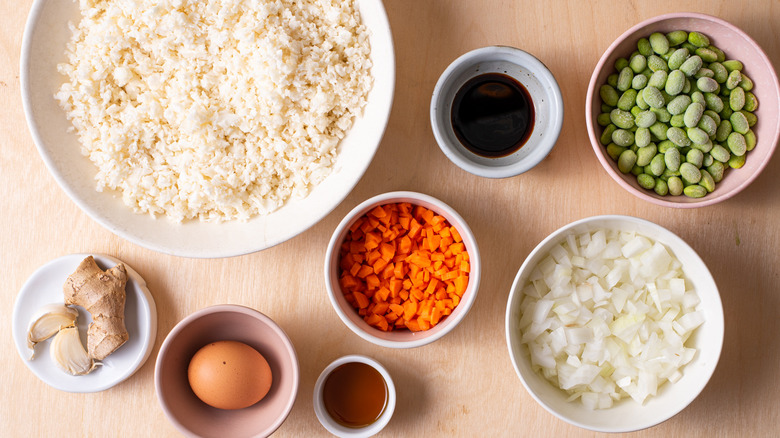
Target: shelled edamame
677 114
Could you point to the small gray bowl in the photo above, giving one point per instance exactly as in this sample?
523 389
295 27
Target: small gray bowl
537 80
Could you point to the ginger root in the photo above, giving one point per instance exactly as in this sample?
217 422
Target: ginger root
102 294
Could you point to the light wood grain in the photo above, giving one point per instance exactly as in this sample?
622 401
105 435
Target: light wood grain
464 384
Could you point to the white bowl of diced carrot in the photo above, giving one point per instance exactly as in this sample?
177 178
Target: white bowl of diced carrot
402 269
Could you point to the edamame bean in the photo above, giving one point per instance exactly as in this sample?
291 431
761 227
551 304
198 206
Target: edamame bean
639 82
737 99
645 119
707 181
746 83
708 125
626 161
704 72
603 119
737 144
658 130
739 122
751 103
627 100
653 97
706 54
704 147
678 57
721 55
638 63
659 43
732 64
712 114
657 79
662 115
621 63
714 102
695 157
675 186
720 153
606 135
736 161
665 145
675 82
726 112
624 79
720 72
708 160
735 77
642 137
750 140
693 114
612 80
678 120
661 188
678 136
608 95
679 104
698 39
677 37
716 170
696 135
690 173
706 85
622 137
655 63
691 65
695 191
751 118
672 159
644 47
646 181
645 154
724 129
657 165
614 151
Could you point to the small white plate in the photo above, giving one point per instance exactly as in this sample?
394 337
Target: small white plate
45 287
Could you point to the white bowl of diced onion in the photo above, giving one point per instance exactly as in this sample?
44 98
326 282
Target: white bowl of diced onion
614 324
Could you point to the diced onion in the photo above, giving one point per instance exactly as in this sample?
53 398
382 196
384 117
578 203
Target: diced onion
606 315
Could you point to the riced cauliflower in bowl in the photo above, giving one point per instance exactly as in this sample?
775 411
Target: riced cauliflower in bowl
238 124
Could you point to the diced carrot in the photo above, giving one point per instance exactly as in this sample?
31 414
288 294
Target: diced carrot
460 284
402 266
372 281
360 300
379 265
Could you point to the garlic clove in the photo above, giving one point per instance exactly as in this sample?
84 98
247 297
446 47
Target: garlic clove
47 321
68 352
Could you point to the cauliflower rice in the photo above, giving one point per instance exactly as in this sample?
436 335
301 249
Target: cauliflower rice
218 109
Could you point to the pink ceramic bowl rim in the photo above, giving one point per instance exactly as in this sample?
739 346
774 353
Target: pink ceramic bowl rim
234 308
604 159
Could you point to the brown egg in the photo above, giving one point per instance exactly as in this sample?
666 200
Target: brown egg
229 375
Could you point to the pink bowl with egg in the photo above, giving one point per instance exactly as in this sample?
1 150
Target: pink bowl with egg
187 412
737 45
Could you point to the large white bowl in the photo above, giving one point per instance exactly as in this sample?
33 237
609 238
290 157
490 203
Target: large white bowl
43 47
625 415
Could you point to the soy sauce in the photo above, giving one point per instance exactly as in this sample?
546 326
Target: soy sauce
492 115
355 394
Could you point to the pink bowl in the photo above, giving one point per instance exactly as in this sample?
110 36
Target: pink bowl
737 45
189 414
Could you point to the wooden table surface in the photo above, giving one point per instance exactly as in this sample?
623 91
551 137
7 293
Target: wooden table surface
464 384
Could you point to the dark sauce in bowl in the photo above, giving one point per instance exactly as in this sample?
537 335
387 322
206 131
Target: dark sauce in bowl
492 115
